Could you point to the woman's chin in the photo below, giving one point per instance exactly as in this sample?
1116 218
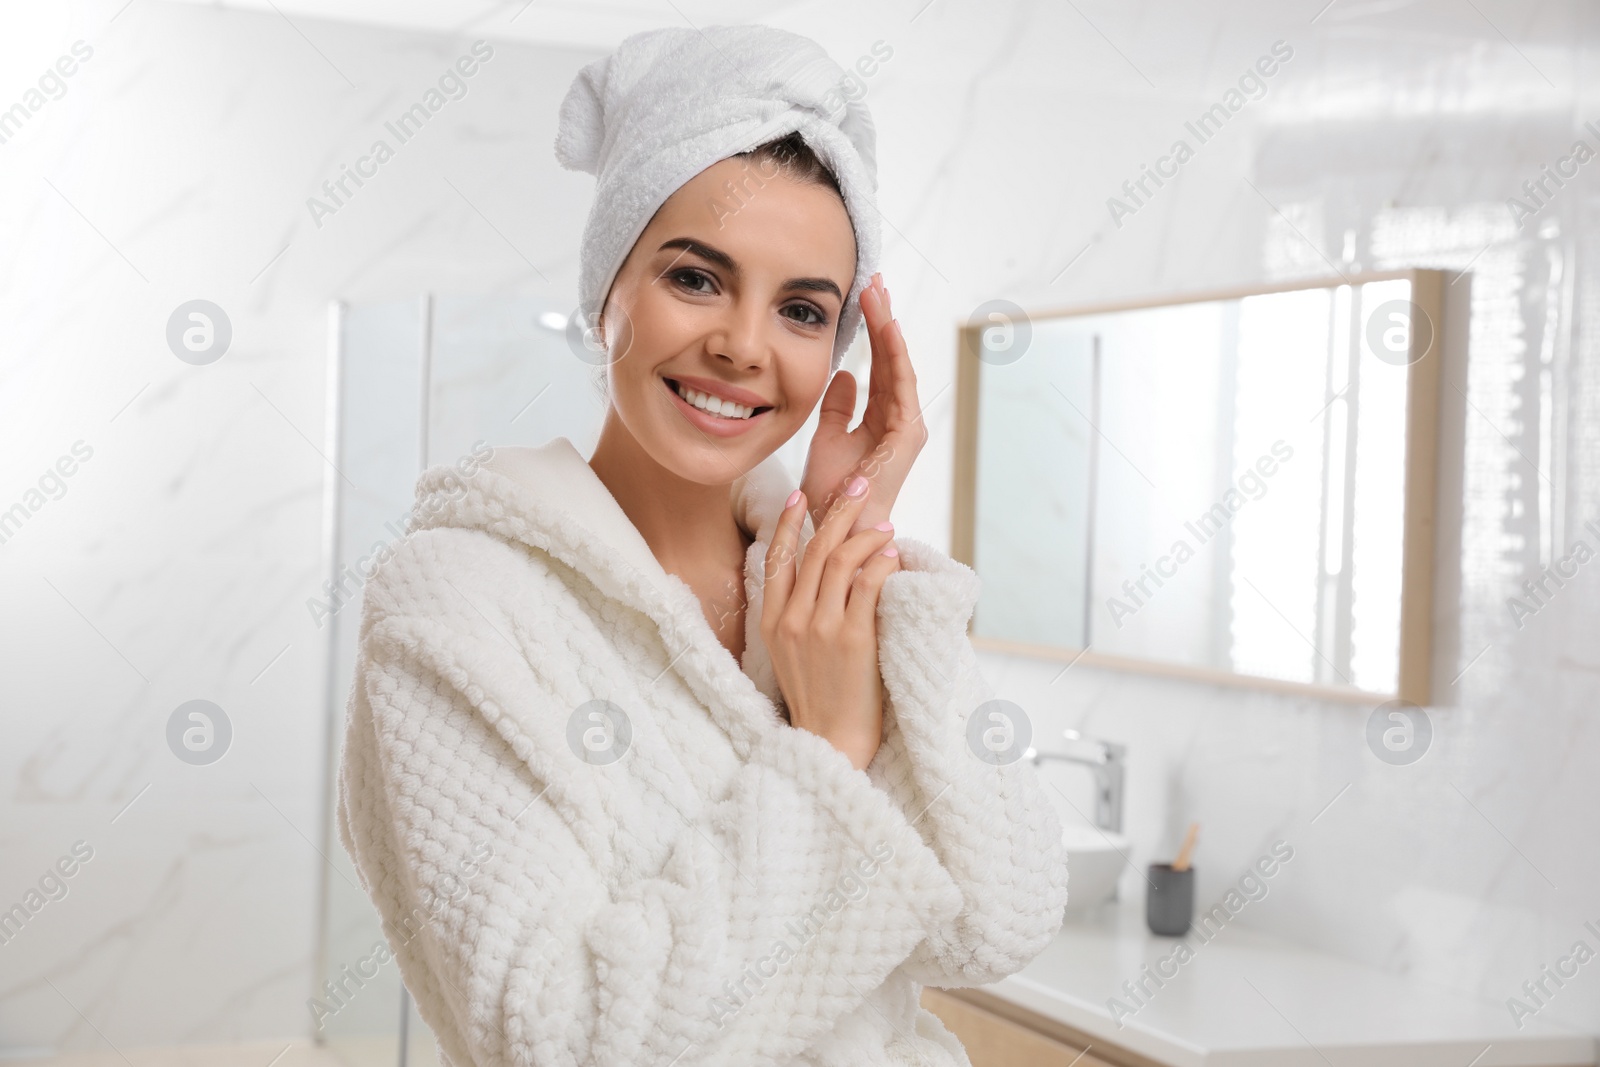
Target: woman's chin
708 460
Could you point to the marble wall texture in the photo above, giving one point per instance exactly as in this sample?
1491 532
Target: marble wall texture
175 562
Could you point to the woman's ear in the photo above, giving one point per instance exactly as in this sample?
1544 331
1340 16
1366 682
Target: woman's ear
608 310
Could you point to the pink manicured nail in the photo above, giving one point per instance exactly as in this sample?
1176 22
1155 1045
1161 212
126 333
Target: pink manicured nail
794 498
885 526
890 551
855 486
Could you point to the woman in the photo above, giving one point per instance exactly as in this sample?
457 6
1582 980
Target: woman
653 759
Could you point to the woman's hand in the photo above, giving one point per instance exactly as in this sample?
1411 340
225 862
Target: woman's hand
820 624
891 433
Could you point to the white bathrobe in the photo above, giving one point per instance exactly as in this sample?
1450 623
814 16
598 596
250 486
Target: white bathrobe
731 890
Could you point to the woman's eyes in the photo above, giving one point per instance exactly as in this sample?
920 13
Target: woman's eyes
821 320
691 274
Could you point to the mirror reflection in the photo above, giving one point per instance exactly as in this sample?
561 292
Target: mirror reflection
1219 484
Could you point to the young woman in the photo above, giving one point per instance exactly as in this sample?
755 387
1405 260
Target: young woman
654 758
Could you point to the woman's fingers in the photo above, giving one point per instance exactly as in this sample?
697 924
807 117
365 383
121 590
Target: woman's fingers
827 671
862 610
875 308
892 399
777 579
831 533
840 571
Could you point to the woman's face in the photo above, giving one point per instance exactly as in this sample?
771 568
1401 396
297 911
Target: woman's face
733 291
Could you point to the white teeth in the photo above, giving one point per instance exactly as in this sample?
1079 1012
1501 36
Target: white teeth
725 408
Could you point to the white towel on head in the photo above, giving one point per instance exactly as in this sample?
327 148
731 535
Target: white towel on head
669 103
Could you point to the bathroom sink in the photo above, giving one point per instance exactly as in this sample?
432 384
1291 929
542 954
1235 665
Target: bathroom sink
1094 863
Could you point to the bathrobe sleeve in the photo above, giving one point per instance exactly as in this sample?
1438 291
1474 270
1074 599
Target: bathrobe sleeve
524 922
993 826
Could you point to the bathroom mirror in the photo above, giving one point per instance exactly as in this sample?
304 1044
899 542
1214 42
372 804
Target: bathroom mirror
1232 486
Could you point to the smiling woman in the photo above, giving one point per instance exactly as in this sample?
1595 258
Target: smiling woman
693 707
722 339
740 310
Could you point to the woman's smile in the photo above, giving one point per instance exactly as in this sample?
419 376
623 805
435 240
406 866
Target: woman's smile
715 414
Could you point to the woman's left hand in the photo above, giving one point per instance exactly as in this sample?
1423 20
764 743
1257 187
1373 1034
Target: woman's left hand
891 433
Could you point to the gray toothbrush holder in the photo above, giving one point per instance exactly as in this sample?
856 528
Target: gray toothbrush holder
1169 902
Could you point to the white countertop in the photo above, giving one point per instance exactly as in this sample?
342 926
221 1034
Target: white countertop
1245 999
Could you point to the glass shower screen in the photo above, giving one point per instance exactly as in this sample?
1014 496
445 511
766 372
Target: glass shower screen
413 383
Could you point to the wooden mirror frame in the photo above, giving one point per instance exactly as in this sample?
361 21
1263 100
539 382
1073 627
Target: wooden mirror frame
1414 682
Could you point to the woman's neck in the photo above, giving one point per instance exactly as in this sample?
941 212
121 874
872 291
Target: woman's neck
690 527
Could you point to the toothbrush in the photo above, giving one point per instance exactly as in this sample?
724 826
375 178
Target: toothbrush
1182 862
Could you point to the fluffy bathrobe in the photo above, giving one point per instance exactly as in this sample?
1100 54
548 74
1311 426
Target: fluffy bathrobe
592 836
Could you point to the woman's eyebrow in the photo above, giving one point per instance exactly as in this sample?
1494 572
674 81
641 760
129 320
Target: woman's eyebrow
726 262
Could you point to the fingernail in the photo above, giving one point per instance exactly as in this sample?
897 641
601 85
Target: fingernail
890 551
794 498
855 486
885 526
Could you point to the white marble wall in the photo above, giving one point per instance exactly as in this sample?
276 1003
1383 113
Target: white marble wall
178 562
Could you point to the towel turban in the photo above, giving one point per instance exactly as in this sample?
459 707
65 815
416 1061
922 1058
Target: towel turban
669 103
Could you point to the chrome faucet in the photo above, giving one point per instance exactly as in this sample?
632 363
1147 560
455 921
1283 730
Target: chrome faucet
1108 760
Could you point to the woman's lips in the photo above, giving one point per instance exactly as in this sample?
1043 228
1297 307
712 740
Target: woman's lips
712 424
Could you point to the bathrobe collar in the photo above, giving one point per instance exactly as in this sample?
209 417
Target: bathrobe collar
558 473
549 497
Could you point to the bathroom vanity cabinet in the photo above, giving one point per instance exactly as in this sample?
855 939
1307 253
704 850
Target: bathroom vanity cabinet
997 1033
1244 998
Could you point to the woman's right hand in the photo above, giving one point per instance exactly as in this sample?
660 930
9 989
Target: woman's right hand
820 622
